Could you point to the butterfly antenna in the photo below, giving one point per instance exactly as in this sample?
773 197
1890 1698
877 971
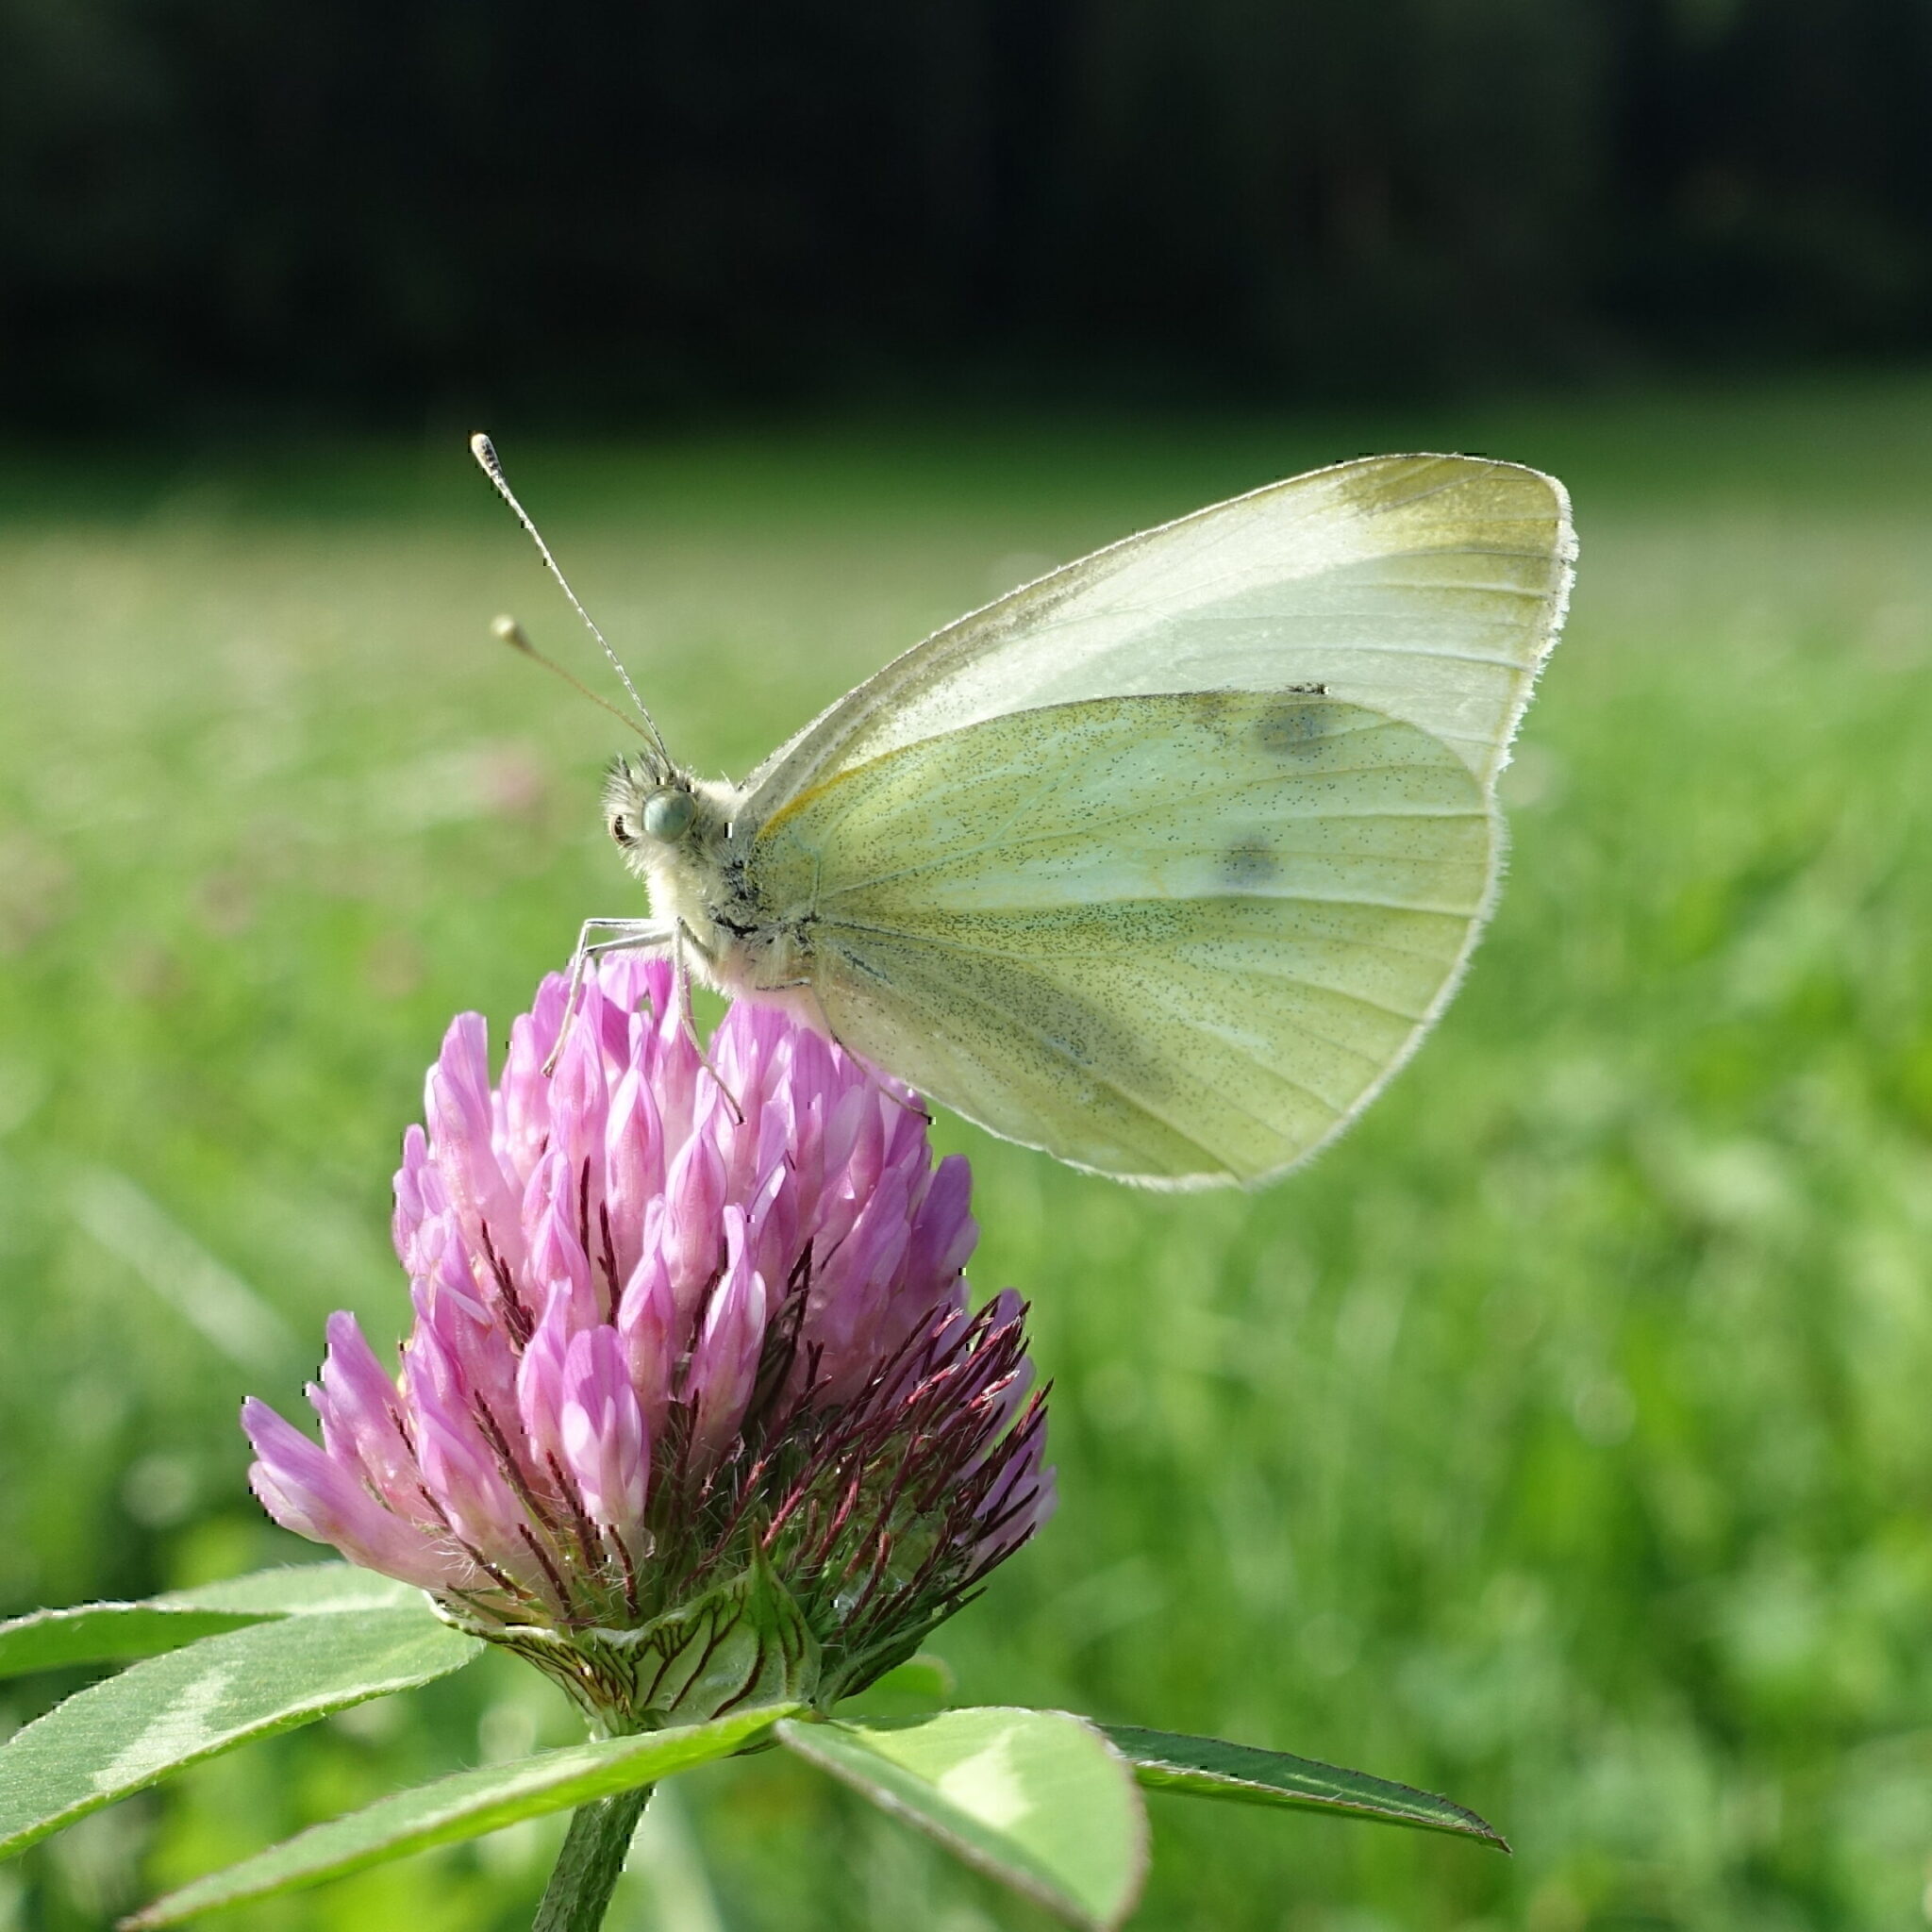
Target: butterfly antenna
509 631
485 453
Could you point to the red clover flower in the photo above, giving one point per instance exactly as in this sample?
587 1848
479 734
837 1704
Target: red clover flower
694 1410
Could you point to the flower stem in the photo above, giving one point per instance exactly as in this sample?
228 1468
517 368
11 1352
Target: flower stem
588 1865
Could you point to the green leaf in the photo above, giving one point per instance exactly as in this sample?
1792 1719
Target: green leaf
1207 1768
465 1806
921 1684
296 1590
107 1633
1038 1799
118 1632
117 1735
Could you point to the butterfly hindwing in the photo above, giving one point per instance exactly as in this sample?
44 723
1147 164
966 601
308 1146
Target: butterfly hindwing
1178 939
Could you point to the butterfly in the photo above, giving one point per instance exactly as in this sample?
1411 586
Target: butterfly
1165 862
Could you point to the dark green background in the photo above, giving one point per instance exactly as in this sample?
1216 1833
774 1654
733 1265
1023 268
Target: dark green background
216 214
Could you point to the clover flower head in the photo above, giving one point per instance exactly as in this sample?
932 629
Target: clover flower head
694 1405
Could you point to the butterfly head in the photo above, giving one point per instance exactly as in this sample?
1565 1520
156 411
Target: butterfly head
672 828
647 804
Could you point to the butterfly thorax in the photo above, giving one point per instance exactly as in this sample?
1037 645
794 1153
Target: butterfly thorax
677 835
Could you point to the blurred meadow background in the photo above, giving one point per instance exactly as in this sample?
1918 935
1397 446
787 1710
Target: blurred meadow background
1561 1440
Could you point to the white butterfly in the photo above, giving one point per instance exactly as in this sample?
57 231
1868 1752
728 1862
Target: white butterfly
1165 862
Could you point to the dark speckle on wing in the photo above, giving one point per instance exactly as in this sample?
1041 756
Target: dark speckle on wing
1248 864
1290 729
1074 1049
1215 709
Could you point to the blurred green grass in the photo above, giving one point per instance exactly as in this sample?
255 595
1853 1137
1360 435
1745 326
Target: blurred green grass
1561 1440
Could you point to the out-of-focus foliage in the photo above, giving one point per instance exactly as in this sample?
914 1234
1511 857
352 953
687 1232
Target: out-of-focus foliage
1560 1440
608 208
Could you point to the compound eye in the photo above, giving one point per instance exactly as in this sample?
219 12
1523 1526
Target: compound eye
668 814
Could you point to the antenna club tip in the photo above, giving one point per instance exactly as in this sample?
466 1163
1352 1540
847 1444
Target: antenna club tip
507 630
484 451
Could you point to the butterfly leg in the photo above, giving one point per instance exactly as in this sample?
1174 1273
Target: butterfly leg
682 937
629 935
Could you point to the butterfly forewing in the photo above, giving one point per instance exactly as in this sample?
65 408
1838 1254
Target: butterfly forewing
1179 938
1426 587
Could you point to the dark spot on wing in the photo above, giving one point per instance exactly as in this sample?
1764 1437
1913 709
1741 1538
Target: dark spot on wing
1288 730
1248 864
1308 690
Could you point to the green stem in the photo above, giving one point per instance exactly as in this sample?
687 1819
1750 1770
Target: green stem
588 1865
